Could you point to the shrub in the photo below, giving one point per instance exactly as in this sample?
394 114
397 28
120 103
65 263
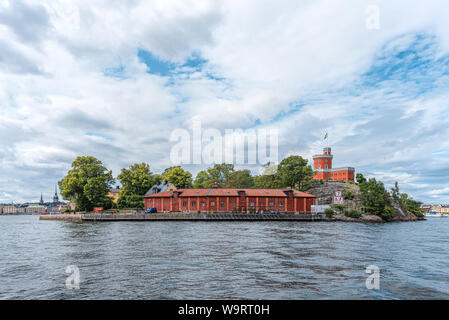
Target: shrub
353 213
339 207
329 212
387 213
349 194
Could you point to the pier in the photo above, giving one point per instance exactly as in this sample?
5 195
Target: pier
186 217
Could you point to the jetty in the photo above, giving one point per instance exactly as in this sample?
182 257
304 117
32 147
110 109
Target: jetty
174 216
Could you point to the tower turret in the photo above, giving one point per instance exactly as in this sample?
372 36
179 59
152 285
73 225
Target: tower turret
323 161
55 197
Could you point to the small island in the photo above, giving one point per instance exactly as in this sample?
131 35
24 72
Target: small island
291 190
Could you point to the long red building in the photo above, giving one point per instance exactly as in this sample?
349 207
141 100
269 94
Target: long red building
231 200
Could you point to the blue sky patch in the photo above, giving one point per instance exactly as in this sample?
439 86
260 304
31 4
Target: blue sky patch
413 63
101 135
118 72
166 68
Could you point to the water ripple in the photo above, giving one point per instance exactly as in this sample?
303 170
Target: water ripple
222 260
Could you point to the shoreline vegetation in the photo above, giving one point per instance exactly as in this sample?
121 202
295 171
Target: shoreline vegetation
88 182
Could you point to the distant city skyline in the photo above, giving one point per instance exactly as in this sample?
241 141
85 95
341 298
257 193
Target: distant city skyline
114 82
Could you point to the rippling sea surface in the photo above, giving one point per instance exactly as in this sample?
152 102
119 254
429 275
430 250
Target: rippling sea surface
223 260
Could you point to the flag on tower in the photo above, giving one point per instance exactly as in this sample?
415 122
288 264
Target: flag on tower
325 136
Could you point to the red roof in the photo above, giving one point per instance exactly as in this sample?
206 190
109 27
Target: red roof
167 194
222 192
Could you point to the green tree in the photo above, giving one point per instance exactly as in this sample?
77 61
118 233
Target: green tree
128 200
87 183
294 172
219 174
410 205
201 180
395 191
135 181
240 179
375 198
360 178
178 176
266 181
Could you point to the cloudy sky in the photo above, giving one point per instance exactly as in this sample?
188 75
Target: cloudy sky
114 79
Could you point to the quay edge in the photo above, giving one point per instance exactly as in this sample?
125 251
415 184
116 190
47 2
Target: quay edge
185 217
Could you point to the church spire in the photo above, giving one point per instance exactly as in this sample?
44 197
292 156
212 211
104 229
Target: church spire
42 200
56 198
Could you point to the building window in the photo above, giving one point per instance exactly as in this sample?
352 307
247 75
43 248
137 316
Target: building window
281 203
251 203
212 203
319 166
271 204
193 203
222 203
202 204
326 166
184 203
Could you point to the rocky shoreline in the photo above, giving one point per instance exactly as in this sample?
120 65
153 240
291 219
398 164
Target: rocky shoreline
326 190
368 218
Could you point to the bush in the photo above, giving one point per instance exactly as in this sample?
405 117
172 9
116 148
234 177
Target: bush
349 194
329 212
387 213
339 207
353 213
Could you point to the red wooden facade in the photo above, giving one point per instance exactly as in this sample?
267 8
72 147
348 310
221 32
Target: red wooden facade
231 200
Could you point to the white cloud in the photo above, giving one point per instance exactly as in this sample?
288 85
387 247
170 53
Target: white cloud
300 67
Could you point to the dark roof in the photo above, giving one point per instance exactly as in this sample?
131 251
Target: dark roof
158 188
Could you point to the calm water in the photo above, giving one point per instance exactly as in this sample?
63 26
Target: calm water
222 260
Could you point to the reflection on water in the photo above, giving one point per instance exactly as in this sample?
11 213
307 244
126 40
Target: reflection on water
222 260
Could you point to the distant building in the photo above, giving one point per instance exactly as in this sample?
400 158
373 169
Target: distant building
439 208
9 209
55 197
322 165
114 194
35 209
161 187
55 206
426 208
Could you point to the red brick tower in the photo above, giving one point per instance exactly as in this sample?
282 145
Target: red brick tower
322 165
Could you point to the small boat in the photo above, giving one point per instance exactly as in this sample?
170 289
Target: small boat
434 215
